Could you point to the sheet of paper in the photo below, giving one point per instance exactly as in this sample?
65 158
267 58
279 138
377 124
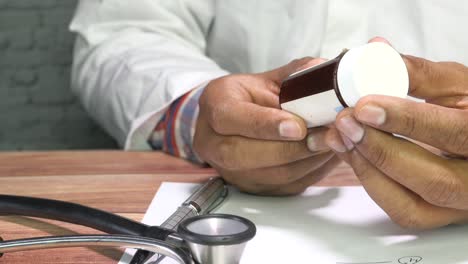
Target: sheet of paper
325 226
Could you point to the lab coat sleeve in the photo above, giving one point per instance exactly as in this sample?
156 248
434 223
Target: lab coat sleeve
132 59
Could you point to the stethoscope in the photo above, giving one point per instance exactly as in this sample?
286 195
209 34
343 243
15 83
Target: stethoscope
190 235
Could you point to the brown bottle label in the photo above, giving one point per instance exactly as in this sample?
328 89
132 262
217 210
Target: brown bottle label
312 81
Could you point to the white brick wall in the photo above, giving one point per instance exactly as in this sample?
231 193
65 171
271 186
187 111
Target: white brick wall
37 109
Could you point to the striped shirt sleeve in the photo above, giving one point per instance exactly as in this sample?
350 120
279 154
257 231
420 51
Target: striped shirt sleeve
174 133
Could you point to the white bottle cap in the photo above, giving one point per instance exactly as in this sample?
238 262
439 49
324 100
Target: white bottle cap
375 68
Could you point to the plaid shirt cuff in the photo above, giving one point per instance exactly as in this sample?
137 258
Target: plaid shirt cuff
174 133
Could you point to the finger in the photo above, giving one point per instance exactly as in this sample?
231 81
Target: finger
403 206
309 62
266 97
266 179
289 173
316 139
278 75
430 79
238 113
452 156
459 102
380 39
441 127
336 142
240 153
254 121
248 88
302 184
436 180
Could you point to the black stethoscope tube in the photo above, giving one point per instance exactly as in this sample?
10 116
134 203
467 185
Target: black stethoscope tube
77 214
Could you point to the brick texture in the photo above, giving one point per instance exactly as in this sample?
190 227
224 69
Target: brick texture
37 109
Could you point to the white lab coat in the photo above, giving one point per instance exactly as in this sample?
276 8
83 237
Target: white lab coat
134 57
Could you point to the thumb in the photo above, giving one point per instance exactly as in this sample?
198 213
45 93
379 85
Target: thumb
380 39
281 73
430 80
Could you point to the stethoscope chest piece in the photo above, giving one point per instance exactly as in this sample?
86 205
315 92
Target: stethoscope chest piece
217 238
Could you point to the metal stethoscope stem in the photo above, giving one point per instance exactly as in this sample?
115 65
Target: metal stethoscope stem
148 244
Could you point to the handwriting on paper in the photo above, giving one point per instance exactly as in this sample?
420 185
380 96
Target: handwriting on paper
410 260
402 260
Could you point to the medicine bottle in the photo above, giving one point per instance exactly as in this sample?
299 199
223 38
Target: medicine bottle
319 93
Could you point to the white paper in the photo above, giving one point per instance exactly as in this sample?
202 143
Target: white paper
339 225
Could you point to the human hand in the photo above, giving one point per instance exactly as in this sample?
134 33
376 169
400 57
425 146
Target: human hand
254 145
416 188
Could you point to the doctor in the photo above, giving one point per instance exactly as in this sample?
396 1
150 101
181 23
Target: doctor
194 78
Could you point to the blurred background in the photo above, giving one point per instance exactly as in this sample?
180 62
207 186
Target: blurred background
37 109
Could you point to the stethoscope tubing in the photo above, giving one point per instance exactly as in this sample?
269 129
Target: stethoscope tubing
77 214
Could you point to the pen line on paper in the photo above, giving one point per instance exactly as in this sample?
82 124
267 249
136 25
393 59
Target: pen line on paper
380 262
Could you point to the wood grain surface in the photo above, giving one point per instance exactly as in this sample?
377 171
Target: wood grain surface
116 181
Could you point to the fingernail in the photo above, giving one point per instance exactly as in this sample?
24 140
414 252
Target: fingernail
316 143
349 145
372 115
336 145
350 128
290 129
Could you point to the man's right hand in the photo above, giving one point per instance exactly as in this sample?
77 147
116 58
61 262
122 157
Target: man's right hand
254 145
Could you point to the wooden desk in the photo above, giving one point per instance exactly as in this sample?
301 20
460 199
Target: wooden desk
119 182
